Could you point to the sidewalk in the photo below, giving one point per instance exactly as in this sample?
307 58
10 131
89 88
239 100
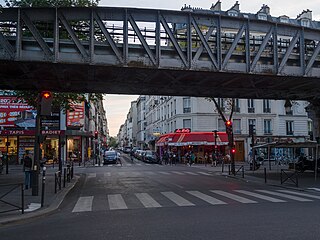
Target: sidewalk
32 204
306 180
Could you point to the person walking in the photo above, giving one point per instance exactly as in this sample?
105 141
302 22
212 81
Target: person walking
27 165
206 156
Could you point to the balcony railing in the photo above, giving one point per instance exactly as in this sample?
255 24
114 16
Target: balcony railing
250 110
267 110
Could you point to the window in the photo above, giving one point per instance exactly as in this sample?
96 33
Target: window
233 13
221 126
289 127
305 22
236 105
221 103
262 16
267 126
250 106
186 123
237 126
284 19
186 105
266 106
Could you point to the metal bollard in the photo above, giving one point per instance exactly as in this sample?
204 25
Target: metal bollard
229 168
22 198
265 175
222 167
43 185
242 171
64 177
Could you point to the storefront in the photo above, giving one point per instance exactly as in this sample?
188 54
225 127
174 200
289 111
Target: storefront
198 142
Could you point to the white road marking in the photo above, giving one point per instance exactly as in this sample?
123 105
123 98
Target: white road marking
180 201
206 197
32 207
84 204
203 173
233 196
165 173
92 175
316 189
179 173
286 196
257 195
107 174
191 173
116 202
300 194
147 200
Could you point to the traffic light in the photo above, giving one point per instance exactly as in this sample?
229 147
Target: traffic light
252 129
233 150
46 103
229 127
96 135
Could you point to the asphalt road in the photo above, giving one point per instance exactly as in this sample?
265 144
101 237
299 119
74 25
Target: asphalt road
142 201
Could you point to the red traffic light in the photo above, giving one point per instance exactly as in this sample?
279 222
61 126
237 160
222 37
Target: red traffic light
233 150
46 94
228 123
96 134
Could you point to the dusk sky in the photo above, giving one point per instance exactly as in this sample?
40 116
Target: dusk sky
117 106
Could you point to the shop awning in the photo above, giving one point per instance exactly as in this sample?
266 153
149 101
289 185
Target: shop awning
192 138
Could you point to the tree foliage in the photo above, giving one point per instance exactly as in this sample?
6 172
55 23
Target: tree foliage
228 109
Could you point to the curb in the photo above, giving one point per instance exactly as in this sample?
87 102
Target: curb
57 200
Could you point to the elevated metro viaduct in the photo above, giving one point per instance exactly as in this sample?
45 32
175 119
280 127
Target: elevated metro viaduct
159 52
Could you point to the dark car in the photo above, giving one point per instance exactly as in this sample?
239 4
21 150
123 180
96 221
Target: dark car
110 157
150 156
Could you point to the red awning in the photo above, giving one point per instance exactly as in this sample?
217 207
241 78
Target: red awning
193 138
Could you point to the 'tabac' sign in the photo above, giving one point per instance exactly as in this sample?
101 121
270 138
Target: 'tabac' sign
183 130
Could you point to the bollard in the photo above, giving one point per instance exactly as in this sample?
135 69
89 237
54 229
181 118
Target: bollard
34 182
265 175
59 180
64 177
22 199
222 167
242 171
43 185
229 168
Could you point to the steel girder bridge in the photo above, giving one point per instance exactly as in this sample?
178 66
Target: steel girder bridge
157 52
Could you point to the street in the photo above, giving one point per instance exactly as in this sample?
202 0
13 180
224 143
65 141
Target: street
149 201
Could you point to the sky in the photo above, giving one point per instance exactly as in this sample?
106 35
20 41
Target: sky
117 106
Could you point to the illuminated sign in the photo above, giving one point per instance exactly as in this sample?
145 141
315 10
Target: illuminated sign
183 130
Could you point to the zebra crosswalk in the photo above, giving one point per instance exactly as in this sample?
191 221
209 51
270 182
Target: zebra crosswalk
189 198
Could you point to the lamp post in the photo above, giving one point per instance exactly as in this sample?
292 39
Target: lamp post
215 146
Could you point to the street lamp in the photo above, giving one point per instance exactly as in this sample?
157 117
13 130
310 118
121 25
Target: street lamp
215 146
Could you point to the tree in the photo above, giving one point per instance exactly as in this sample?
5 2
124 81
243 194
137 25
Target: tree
230 102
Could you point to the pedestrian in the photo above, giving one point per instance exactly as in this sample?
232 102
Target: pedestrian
27 165
214 159
206 158
192 158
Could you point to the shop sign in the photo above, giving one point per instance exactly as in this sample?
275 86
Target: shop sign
183 130
51 122
16 113
75 118
17 132
51 132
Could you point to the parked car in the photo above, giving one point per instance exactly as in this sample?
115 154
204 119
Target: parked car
110 157
127 149
150 156
138 154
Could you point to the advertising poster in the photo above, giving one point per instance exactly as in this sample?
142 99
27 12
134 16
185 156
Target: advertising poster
16 113
76 118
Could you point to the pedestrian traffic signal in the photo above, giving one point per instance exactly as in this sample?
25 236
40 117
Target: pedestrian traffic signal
229 127
233 150
46 103
252 129
96 134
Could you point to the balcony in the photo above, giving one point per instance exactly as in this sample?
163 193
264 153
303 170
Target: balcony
289 133
186 110
267 110
237 109
267 132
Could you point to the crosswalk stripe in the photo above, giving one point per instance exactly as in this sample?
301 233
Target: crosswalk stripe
286 196
191 173
84 204
147 200
179 173
316 189
150 173
165 173
92 175
206 197
300 194
107 174
203 173
129 164
116 202
180 201
139 164
233 196
257 195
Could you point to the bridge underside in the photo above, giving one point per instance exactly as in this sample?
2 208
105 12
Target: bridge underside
146 81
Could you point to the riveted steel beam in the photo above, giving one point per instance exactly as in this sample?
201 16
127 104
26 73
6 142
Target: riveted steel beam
142 40
204 42
7 46
313 58
73 36
289 51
